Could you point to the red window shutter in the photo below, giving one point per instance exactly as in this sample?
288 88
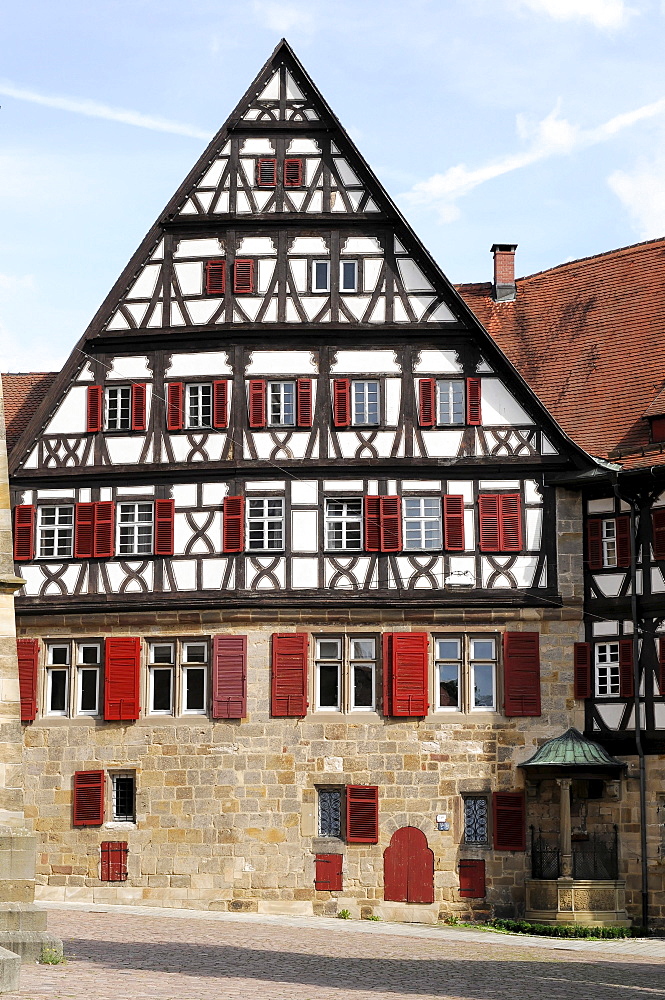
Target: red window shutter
488 518
658 525
372 511
626 674
453 523
104 544
174 406
234 524
472 878
220 403
138 406
341 402
521 673
215 277
292 173
362 814
24 532
594 535
582 670
473 415
229 677
661 666
94 408
122 666
328 873
623 541
387 672
28 657
88 798
427 402
243 276
509 813
113 858
266 172
304 402
84 530
164 518
409 674
510 522
391 524
257 402
288 693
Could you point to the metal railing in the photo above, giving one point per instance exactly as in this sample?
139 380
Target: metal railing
595 858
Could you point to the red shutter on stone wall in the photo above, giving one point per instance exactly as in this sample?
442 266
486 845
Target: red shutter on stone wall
215 277
84 530
472 878
582 670
24 532
104 544
292 173
266 172
626 669
390 523
243 277
94 408
88 798
661 666
256 402
509 815
488 518
164 524
408 666
304 402
658 525
427 402
28 656
113 861
288 689
220 403
122 665
372 518
229 677
521 673
594 537
510 522
138 406
386 672
175 392
233 531
341 402
328 873
453 523
473 415
362 814
623 541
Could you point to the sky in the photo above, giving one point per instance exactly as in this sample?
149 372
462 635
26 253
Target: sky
536 122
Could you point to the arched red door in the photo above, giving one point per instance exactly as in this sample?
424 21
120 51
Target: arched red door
408 867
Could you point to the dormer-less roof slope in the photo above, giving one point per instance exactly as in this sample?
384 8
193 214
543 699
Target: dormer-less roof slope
589 338
23 394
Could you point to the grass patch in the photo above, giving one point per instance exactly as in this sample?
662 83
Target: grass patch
505 926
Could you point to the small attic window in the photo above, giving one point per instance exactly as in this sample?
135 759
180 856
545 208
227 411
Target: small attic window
266 172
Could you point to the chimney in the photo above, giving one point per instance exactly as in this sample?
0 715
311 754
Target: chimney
504 288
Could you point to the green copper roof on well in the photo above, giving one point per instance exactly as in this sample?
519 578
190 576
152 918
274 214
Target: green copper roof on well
572 749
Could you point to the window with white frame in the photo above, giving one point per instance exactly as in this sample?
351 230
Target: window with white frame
198 408
118 408
123 796
178 677
161 670
450 401
476 819
365 403
58 659
465 673
55 531
88 670
194 671
135 526
422 523
607 669
348 279
281 404
265 524
344 524
73 672
609 541
345 674
321 276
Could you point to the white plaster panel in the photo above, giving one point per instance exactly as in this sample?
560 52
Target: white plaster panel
214 493
213 574
146 282
129 368
624 507
605 628
213 173
534 527
546 447
302 146
343 485
265 484
421 486
34 578
372 487
499 484
263 444
266 271
297 444
531 492
345 172
462 572
211 363
253 574
610 714
117 576
184 494
250 306
309 244
442 444
660 501
483 368
53 494
659 714
312 304
105 493
134 491
201 311
305 491
372 270
86 374
356 304
190 277
261 245
358 574
258 146
364 362
460 488
627 628
181 447
499 406
299 273
349 443
603 506
412 277
304 572
392 401
657 582
419 303
284 363
438 363
184 571
378 314
70 417
391 487
125 450
159 251
469 529
214 445
85 495
610 584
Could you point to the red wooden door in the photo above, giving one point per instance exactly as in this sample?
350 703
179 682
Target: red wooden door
408 867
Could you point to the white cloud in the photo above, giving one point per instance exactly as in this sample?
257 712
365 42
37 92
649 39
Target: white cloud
607 15
642 192
283 17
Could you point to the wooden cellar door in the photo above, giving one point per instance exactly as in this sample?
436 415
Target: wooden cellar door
408 867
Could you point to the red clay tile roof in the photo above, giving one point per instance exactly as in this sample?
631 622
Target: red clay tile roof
23 394
657 406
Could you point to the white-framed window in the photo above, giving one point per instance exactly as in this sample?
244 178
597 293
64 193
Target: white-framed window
198 408
345 674
321 276
55 531
118 408
344 524
448 673
450 401
476 819
265 524
194 695
422 523
135 527
161 670
58 658
348 276
123 796
465 673
178 678
73 679
365 403
609 541
607 669
281 404
88 669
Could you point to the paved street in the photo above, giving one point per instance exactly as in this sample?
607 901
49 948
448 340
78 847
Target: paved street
137 955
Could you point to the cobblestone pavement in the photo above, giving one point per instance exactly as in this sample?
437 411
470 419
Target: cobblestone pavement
159 956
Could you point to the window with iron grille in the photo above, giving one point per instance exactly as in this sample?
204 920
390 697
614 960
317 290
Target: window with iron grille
330 801
476 819
123 793
55 528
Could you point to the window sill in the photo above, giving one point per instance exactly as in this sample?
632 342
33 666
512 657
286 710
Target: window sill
328 716
118 824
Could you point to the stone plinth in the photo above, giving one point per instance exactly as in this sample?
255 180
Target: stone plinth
593 902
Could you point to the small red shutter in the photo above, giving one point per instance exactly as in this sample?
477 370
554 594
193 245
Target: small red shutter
243 276
257 402
488 517
229 677
88 798
164 518
234 524
328 872
304 402
122 665
510 522
661 666
24 532
215 277
626 675
292 173
220 403
94 408
28 655
391 524
509 814
427 402
362 814
594 535
409 674
521 673
473 401
138 406
174 406
266 172
623 541
582 670
104 545
453 523
372 510
113 857
341 402
472 878
84 530
658 524
288 693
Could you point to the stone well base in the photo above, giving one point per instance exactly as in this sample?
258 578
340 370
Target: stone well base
594 902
